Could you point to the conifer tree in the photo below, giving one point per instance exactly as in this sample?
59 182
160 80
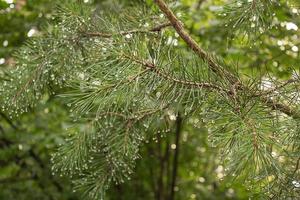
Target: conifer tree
127 80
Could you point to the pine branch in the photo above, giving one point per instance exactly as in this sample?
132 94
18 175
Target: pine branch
120 86
178 26
248 18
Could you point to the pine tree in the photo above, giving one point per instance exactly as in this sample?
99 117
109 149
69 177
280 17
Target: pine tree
126 79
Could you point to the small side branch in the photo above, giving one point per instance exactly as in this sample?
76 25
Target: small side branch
162 74
157 28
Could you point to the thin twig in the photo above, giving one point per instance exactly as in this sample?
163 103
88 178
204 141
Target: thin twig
8 121
157 28
30 81
270 91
